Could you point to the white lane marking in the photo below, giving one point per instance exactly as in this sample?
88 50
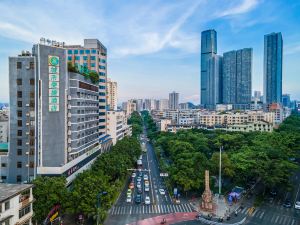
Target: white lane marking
284 220
155 207
254 211
144 209
130 210
243 211
185 208
158 209
190 208
293 222
173 206
261 216
152 207
297 194
276 219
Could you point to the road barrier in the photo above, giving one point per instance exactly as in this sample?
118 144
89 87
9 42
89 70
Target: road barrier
203 220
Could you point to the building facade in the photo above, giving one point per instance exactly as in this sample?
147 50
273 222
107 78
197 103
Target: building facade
236 79
208 50
112 92
273 53
173 100
117 126
56 116
4 125
163 104
16 204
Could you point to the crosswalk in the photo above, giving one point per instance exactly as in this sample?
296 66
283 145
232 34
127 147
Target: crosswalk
272 218
149 209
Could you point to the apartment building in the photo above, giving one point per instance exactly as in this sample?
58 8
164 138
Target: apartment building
16 204
4 125
112 98
117 126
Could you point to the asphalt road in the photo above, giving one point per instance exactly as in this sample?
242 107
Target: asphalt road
124 212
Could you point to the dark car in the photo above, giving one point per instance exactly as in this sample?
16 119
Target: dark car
287 204
138 199
139 191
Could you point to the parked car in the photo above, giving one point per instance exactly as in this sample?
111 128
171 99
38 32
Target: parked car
128 199
139 191
129 191
138 199
162 191
147 188
287 204
131 185
139 179
133 175
147 200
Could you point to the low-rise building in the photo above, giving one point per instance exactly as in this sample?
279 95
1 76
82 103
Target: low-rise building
3 162
4 124
261 126
117 126
16 204
162 125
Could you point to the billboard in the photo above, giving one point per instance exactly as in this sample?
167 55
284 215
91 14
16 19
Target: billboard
53 71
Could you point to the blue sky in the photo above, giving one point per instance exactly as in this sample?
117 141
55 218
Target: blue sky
153 46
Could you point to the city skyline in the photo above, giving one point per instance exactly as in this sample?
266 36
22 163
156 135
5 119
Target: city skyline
152 51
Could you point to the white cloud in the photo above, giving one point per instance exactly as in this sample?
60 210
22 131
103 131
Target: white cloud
244 7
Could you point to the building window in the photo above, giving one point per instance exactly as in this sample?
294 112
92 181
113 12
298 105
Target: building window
93 57
19 132
101 87
19 164
31 152
81 52
102 74
19 113
94 51
19 123
92 64
31 65
31 142
19 142
19 103
3 164
6 205
31 81
87 51
19 152
19 65
103 60
70 51
102 67
84 57
19 81
76 51
24 211
31 104
69 58
31 94
19 94
31 132
102 93
77 57
31 164
19 178
102 80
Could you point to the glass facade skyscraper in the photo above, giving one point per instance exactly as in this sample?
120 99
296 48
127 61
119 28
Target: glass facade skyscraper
208 50
236 78
273 46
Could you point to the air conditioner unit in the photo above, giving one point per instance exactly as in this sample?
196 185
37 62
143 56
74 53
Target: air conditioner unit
69 107
27 124
69 141
69 132
69 115
27 114
69 149
27 133
27 104
27 165
69 124
27 67
69 97
27 143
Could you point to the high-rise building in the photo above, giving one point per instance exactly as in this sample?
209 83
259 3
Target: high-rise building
173 100
257 95
112 99
163 104
273 48
139 105
236 79
54 126
93 56
214 80
147 104
208 50
286 100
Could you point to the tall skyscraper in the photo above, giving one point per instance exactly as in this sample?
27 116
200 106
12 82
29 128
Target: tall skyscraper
112 98
214 78
173 100
236 79
54 115
273 50
257 95
286 100
163 104
208 50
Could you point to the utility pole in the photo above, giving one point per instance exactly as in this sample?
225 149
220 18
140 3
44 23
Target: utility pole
220 170
98 204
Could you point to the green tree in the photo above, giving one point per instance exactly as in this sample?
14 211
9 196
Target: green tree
47 192
227 166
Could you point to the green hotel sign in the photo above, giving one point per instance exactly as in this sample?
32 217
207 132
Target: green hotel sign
53 66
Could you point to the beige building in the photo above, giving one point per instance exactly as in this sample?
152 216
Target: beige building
117 126
261 126
4 124
163 124
112 94
16 204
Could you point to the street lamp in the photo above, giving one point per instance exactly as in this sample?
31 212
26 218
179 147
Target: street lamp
98 203
220 170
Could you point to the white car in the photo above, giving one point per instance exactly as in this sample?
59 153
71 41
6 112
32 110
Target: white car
162 191
128 199
147 200
147 188
139 185
297 205
146 177
133 175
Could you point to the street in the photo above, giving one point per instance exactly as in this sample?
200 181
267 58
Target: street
124 212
